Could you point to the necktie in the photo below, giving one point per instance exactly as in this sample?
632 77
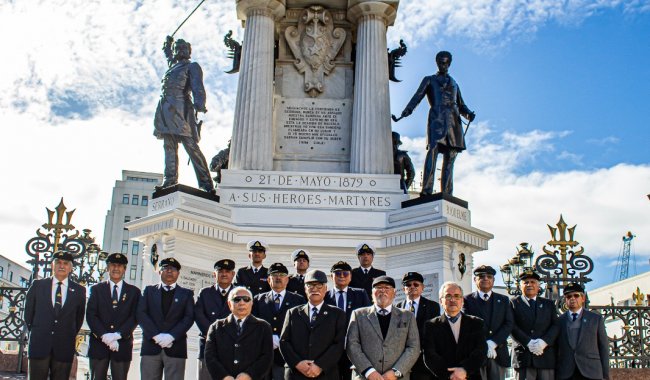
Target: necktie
314 313
239 327
301 278
223 292
383 311
532 303
486 297
365 271
454 319
114 297
254 270
277 302
58 298
412 308
340 303
575 316
168 288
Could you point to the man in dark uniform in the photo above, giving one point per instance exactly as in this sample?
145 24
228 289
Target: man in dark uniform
583 346
534 331
165 314
495 311
255 276
424 309
54 313
111 318
211 305
402 164
183 96
313 335
364 275
272 307
444 127
300 258
347 299
239 346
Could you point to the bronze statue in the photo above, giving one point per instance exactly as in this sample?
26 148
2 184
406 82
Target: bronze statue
394 60
444 127
402 164
220 162
234 52
183 96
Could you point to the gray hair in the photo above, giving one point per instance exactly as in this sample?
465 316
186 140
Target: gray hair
234 291
449 284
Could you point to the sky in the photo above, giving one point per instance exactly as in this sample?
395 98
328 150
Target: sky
560 90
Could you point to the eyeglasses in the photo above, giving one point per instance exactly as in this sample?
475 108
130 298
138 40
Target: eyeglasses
342 273
455 297
572 295
238 299
412 284
314 285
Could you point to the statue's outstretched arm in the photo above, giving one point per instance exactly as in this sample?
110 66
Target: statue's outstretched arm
417 97
167 49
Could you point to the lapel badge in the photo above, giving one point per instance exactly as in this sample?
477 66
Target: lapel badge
541 306
123 297
175 299
498 300
324 313
72 290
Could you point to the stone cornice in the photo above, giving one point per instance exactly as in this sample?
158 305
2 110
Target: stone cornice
270 8
386 10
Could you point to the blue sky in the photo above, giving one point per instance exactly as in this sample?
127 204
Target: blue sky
560 89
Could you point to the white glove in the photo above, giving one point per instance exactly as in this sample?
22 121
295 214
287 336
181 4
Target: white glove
114 346
491 352
532 345
157 338
276 341
165 340
541 345
109 338
491 345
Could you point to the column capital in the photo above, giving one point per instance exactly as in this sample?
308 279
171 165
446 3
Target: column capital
275 8
385 9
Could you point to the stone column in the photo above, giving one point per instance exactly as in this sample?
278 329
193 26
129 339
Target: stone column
371 146
252 138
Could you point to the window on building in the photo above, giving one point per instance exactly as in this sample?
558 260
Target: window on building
133 272
2 272
135 248
125 246
135 200
145 200
11 276
126 198
23 282
127 219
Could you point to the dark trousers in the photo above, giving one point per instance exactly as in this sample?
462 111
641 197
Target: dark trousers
578 376
493 371
99 369
345 373
448 158
198 161
48 368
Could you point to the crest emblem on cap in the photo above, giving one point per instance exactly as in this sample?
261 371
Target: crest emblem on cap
225 262
257 244
118 256
365 246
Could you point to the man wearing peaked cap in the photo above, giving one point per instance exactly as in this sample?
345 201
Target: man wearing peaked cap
51 348
313 335
111 314
272 307
534 332
212 304
496 312
254 277
583 346
165 314
347 299
300 258
363 276
423 309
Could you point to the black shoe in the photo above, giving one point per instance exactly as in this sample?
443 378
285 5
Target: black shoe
165 185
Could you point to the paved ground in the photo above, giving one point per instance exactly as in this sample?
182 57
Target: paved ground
12 376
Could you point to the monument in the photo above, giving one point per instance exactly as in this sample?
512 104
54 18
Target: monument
311 158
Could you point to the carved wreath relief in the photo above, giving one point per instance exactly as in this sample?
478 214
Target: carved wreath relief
315 43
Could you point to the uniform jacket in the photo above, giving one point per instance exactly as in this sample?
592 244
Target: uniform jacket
208 308
367 348
497 326
364 281
264 308
426 310
175 113
533 324
591 354
256 283
441 350
356 298
323 343
102 318
51 334
227 354
446 105
296 285
179 319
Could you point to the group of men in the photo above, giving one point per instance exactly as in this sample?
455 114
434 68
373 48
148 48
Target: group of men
261 323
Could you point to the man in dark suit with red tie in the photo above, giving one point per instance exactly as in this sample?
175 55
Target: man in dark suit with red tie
54 313
454 343
365 274
211 305
424 310
110 315
255 276
494 309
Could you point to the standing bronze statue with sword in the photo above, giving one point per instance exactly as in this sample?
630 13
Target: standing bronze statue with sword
444 126
176 121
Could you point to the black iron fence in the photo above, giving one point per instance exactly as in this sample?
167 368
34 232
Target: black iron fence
12 324
629 336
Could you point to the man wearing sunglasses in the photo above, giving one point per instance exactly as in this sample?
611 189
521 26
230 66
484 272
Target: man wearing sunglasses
272 307
494 309
583 351
313 335
347 299
424 309
165 314
239 346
